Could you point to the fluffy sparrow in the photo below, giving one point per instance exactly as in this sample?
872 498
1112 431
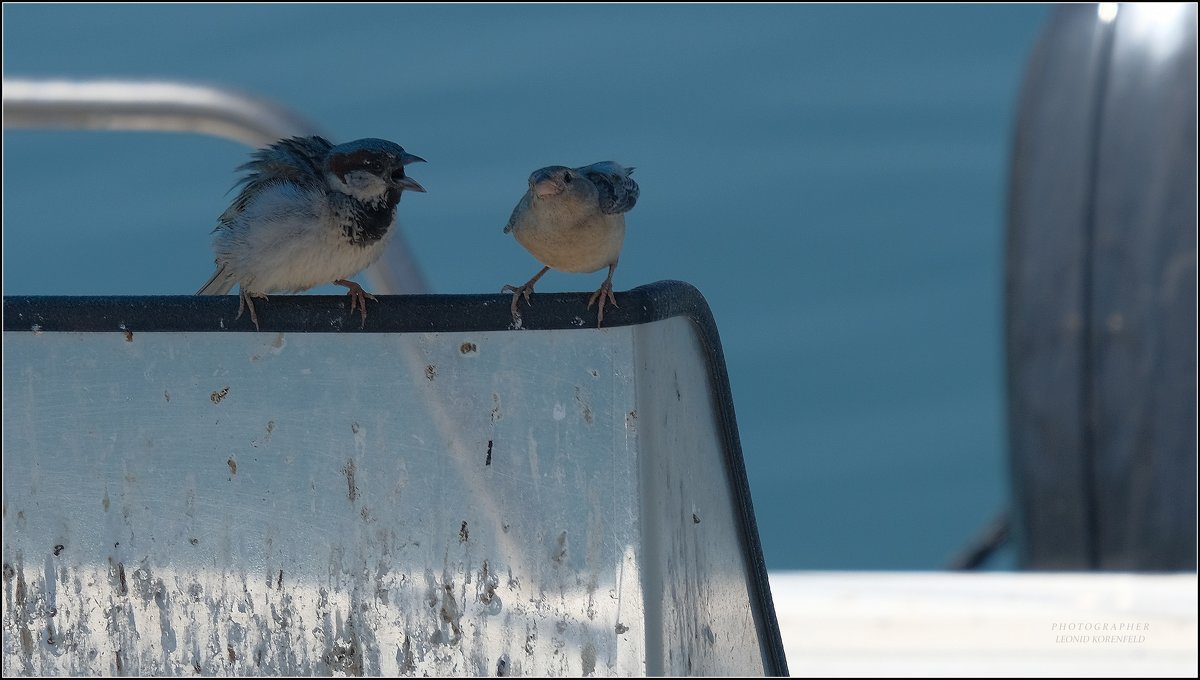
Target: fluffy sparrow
309 213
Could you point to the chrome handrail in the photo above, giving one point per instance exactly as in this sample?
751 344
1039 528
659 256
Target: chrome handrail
166 106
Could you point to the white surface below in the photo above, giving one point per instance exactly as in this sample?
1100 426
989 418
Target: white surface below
840 624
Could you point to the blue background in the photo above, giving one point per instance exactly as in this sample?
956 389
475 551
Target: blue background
832 178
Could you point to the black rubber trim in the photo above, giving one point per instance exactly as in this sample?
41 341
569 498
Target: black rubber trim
423 314
331 313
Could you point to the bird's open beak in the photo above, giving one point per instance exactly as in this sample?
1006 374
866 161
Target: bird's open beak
407 158
544 187
410 184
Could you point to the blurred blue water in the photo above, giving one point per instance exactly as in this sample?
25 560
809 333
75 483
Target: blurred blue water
830 177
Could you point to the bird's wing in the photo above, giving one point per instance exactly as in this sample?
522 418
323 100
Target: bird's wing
296 160
618 191
220 283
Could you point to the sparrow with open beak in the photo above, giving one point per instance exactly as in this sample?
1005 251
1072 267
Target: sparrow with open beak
310 213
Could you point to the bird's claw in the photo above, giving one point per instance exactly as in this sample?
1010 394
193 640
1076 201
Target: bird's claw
517 292
245 301
605 291
358 298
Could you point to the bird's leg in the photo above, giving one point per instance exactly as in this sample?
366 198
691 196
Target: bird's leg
244 301
358 297
523 290
604 291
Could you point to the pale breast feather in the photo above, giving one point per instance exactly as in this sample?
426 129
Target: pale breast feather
512 219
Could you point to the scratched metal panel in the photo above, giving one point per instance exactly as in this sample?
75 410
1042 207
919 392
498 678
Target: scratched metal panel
303 503
696 586
547 502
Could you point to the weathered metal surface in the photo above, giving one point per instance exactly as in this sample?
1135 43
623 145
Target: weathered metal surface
454 503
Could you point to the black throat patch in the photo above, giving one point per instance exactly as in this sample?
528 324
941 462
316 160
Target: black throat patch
365 223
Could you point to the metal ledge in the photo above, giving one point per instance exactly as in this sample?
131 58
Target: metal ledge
330 313
641 360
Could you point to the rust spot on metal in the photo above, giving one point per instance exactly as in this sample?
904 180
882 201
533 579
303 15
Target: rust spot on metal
585 408
128 335
345 658
488 460
219 394
21 592
279 583
430 372
468 348
167 395
232 465
58 550
561 553
27 642
695 518
351 487
463 534
229 652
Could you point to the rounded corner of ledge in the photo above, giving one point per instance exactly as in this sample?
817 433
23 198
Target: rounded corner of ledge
673 297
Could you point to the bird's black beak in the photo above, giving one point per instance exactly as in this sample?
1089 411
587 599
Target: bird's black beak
410 184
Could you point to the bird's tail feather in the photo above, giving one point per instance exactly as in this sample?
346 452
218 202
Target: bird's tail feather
220 283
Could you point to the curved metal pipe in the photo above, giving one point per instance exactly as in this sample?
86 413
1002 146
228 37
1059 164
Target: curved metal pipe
164 106
148 105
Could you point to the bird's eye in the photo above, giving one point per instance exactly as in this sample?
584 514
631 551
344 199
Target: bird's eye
567 177
373 165
398 175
